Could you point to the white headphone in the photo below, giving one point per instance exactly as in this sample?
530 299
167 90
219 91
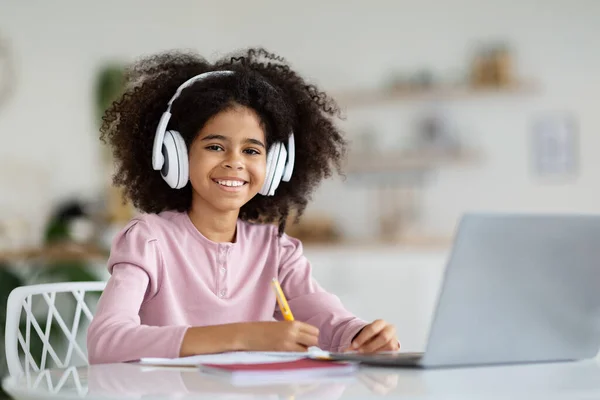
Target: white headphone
169 152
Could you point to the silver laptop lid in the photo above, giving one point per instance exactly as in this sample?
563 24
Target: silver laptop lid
519 288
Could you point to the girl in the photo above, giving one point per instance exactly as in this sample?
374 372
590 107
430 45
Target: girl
216 156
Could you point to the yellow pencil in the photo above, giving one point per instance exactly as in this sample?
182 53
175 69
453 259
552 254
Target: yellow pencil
282 301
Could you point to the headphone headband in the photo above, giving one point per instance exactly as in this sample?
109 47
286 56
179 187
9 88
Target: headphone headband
193 80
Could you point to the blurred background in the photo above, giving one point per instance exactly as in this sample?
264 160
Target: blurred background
450 107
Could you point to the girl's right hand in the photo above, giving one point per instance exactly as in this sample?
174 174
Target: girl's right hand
278 336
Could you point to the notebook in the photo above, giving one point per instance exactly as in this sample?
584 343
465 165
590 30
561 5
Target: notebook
280 371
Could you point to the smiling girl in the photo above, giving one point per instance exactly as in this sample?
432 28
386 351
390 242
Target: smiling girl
216 156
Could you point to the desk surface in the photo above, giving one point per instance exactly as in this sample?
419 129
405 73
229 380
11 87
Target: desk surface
126 381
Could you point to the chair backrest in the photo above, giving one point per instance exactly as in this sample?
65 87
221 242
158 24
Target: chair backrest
39 302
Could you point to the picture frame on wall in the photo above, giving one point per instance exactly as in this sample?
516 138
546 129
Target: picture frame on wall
555 147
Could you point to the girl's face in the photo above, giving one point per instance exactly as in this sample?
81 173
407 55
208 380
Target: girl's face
228 160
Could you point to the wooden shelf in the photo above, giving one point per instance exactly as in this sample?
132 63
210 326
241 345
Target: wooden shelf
407 160
55 253
370 97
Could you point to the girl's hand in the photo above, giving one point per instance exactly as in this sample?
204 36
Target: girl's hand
278 336
375 337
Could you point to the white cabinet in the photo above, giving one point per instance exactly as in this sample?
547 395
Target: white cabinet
397 285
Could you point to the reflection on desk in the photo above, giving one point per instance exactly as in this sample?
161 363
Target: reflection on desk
135 381
561 380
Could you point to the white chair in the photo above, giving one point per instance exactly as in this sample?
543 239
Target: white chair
25 299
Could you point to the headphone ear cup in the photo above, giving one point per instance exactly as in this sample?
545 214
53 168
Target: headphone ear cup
175 170
271 162
279 169
291 159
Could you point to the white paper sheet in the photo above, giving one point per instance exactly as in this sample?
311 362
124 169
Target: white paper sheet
238 357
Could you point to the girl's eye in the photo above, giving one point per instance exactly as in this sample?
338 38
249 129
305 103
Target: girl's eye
214 147
252 152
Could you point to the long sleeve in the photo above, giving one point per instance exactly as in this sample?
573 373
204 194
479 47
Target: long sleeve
310 303
116 334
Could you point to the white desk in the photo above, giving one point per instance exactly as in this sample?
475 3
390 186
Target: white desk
580 380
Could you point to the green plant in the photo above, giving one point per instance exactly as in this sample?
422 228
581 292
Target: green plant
8 281
109 86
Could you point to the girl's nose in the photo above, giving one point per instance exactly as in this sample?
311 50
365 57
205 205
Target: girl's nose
233 162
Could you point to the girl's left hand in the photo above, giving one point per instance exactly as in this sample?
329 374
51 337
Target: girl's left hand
375 337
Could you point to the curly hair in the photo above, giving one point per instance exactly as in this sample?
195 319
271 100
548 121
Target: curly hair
264 82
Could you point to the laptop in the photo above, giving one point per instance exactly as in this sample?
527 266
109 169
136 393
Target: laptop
516 289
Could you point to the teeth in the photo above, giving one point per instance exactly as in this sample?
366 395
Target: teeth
230 183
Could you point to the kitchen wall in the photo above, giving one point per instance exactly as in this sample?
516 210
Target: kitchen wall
51 147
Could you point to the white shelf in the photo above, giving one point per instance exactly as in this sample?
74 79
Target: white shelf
407 160
370 97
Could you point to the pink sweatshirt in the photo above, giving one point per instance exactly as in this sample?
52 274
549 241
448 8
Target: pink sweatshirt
166 276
